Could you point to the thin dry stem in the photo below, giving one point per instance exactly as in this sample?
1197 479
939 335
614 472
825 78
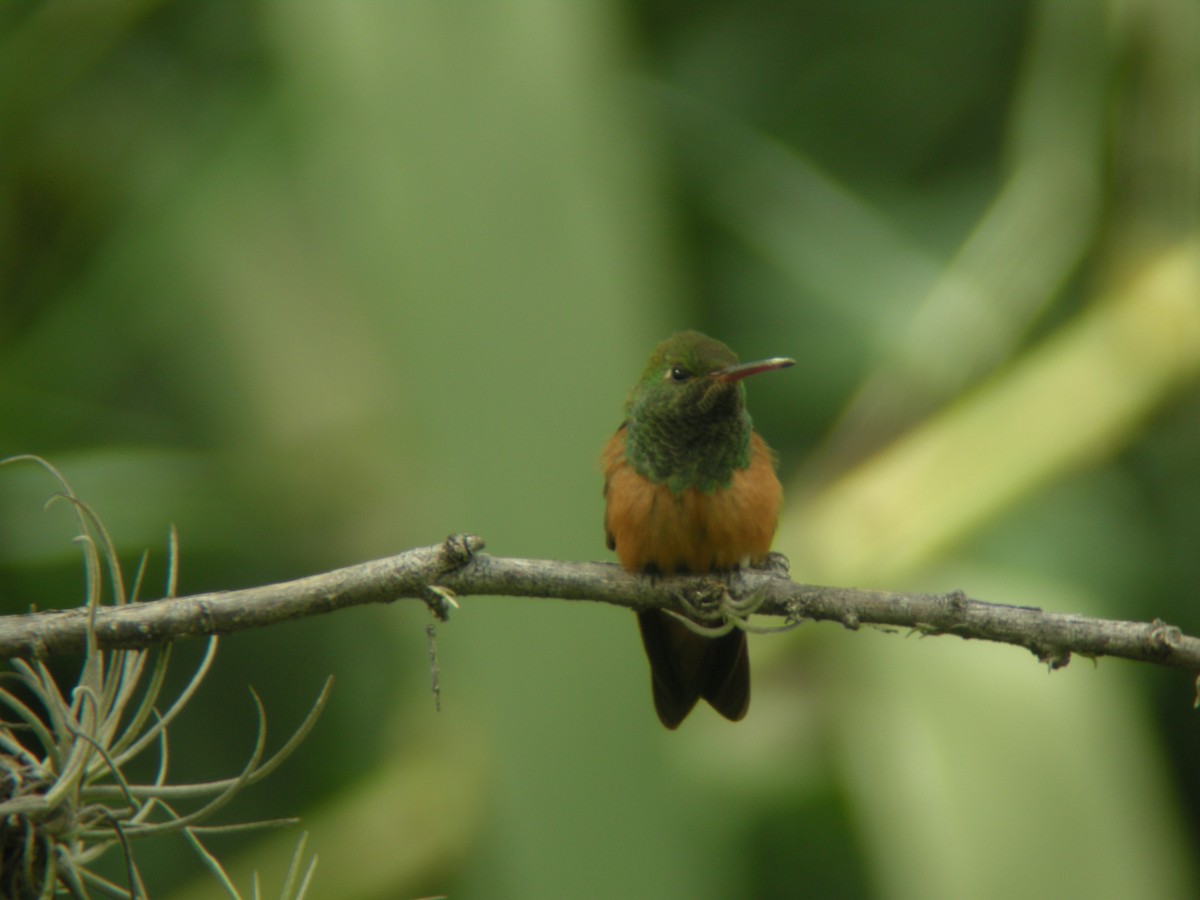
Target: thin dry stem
457 566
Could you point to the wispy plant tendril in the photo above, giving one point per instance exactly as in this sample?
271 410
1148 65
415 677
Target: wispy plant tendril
64 798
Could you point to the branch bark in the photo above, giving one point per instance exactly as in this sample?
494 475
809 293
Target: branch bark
457 567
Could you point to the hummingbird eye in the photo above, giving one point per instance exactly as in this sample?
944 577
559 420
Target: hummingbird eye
678 373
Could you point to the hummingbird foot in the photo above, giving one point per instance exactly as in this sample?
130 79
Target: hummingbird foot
716 603
722 603
775 563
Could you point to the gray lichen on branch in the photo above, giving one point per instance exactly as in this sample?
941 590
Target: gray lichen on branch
458 567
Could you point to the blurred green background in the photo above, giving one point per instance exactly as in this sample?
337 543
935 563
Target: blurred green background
317 282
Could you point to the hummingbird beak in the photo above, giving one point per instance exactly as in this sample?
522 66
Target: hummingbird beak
737 373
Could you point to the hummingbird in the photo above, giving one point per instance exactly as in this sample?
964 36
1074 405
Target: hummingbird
690 487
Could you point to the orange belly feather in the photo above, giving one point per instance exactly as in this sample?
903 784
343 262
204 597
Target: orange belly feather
653 528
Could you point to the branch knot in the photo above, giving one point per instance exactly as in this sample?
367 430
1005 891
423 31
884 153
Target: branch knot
452 554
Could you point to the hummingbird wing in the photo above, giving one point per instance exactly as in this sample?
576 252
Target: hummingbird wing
613 450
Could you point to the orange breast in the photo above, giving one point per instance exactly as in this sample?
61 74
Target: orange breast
651 527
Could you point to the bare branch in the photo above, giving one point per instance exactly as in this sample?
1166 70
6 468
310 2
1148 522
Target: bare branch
456 567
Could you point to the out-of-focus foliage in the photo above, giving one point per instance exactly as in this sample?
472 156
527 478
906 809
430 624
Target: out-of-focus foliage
317 282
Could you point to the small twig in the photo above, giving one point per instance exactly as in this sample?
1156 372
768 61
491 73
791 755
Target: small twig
458 568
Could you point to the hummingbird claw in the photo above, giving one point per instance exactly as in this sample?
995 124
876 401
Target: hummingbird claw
777 564
725 602
708 631
743 607
705 601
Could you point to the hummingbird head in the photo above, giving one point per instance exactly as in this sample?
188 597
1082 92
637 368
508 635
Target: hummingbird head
686 419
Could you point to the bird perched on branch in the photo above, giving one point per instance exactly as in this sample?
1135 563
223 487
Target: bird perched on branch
690 487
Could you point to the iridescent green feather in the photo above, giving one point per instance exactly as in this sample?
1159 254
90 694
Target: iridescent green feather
689 432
